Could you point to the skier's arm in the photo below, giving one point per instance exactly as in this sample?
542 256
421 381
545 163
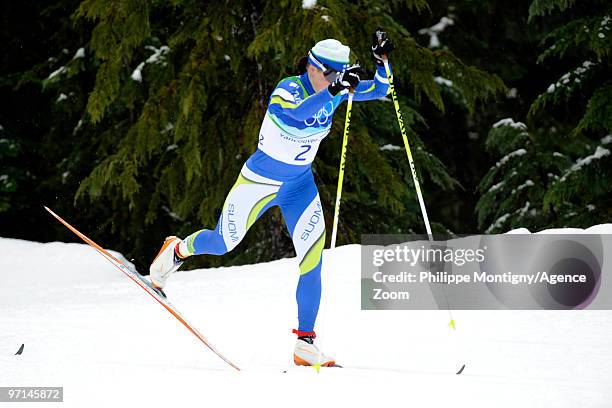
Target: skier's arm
283 102
375 88
379 86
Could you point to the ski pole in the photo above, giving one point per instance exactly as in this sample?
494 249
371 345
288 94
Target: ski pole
417 186
415 178
347 123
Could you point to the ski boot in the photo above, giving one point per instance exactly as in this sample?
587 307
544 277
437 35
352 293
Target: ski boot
307 354
165 264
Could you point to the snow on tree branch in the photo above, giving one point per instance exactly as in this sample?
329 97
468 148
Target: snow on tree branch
436 29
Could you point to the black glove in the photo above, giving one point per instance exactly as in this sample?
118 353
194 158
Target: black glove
381 45
349 78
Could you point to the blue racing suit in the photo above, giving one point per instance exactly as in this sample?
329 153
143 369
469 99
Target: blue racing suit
279 173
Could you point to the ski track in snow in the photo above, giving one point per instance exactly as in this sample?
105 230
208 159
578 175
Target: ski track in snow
89 329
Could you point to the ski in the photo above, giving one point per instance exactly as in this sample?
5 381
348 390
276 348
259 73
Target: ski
144 284
317 368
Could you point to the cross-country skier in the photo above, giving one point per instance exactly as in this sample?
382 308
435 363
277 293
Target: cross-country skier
299 116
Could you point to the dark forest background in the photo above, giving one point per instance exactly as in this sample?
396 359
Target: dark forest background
132 118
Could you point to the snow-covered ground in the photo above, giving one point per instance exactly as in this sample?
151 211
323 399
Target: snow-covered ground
87 328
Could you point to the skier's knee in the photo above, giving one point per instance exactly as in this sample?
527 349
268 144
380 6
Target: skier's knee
313 257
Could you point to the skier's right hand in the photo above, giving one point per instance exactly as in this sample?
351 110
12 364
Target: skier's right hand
348 79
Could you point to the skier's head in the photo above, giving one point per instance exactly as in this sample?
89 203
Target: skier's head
329 54
325 60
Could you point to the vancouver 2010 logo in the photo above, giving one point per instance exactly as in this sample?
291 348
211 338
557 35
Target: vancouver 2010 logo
322 117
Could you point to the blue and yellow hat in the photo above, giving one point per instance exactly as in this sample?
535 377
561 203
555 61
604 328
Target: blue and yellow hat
329 54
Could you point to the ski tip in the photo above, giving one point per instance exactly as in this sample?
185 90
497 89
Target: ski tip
18 353
461 369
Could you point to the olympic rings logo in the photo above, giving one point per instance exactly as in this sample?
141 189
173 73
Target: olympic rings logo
322 116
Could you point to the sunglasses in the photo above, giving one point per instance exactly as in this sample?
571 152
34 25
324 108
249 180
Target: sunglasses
330 74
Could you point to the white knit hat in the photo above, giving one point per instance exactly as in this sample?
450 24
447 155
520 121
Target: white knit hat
329 53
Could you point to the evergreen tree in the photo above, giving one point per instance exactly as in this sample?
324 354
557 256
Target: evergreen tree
41 39
512 191
568 148
10 173
494 36
156 105
586 92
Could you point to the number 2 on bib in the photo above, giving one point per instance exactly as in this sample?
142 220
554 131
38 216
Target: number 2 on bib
306 149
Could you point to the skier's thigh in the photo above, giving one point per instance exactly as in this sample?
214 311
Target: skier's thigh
248 199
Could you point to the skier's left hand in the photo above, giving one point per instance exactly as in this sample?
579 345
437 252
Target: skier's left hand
381 46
